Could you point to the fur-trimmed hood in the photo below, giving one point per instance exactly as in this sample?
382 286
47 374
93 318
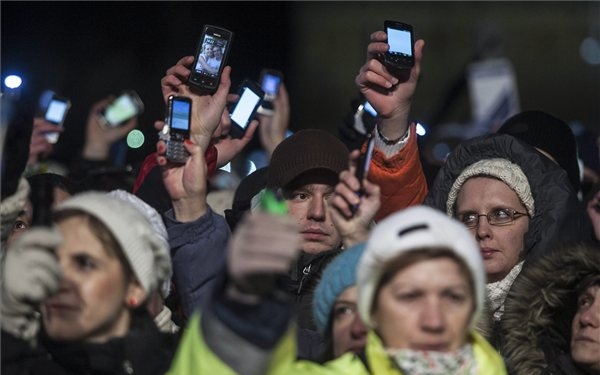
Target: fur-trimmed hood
536 326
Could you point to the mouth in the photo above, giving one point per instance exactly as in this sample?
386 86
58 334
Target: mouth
487 252
314 234
60 307
584 338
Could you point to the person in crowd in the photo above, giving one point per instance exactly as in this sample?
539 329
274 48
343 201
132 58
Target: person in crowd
203 57
335 305
47 190
91 277
516 202
421 287
552 319
549 135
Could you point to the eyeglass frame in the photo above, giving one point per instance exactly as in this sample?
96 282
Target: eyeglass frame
513 216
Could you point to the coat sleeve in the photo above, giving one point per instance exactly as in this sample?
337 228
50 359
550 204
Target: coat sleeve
198 255
400 177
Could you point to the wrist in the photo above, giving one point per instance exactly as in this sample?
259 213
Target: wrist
187 210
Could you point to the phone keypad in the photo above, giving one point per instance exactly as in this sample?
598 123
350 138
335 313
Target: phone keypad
176 152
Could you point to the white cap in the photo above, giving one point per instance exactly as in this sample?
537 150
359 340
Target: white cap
410 229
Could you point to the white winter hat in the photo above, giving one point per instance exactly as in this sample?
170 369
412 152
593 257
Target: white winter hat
502 169
146 251
415 228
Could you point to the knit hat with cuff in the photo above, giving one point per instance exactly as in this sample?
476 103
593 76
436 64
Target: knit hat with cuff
337 276
146 251
414 228
306 150
502 169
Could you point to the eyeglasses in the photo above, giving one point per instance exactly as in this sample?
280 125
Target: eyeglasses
498 217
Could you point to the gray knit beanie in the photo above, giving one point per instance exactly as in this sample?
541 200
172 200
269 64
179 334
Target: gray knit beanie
502 169
146 251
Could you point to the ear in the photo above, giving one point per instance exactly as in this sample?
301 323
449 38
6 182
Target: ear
135 295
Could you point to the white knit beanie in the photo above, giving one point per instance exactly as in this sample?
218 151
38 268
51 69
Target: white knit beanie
414 228
157 225
146 251
502 169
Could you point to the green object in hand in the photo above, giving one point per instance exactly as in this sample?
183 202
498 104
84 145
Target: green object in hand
273 203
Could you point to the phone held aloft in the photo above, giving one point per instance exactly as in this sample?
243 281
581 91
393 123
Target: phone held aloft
211 58
401 54
178 121
122 109
251 96
270 80
56 113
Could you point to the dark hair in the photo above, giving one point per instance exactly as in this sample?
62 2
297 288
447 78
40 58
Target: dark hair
406 259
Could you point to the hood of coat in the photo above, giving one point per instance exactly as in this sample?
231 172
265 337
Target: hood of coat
559 216
536 327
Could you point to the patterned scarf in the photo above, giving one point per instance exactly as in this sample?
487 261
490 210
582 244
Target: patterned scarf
498 291
418 362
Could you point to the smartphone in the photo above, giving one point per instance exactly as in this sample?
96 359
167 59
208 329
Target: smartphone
179 120
122 109
401 54
364 160
56 113
210 58
369 109
270 79
251 96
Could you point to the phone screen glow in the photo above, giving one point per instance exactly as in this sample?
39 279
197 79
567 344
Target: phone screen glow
56 111
120 110
180 116
244 108
369 108
270 84
399 41
210 57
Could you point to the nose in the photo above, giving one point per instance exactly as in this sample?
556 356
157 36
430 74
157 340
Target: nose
590 317
358 329
432 317
317 208
483 228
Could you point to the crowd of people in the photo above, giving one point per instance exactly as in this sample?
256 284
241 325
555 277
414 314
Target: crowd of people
493 268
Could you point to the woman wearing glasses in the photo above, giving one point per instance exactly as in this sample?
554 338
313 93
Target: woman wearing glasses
518 205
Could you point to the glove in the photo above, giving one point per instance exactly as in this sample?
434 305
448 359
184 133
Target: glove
262 248
31 273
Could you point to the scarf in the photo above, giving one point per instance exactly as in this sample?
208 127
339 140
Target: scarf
419 362
498 291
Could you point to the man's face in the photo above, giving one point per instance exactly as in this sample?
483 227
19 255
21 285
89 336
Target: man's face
308 203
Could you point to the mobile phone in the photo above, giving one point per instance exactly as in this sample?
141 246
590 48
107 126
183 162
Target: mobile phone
210 58
369 109
401 54
270 79
122 109
251 96
179 120
56 113
364 160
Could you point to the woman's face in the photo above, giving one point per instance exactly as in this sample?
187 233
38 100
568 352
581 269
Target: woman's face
208 50
501 246
585 337
425 306
348 331
91 302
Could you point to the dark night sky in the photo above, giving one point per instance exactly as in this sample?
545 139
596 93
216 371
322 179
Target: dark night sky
88 50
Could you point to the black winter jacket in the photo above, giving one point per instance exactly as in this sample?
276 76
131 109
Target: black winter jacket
144 350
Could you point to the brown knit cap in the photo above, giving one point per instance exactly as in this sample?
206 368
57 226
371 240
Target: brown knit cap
306 150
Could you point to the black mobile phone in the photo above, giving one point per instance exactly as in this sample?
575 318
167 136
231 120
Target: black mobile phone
210 58
270 79
251 96
364 160
401 54
56 113
179 120
122 109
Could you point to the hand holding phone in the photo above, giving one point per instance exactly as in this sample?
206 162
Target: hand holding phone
270 80
178 120
401 54
362 166
56 113
251 96
122 109
211 58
